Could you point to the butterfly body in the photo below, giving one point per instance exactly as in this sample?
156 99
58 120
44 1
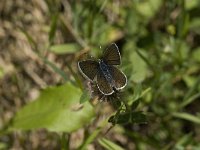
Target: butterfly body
108 77
105 69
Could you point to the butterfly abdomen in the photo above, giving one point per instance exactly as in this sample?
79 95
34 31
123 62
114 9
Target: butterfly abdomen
105 69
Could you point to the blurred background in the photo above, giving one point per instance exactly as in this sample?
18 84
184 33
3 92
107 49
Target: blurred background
41 42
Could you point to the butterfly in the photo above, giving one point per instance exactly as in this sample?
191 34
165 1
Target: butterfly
104 71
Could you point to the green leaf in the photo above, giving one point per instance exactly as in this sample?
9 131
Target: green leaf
128 117
90 138
64 48
53 27
109 145
84 97
187 116
184 141
194 25
189 80
148 8
144 92
138 117
112 120
191 4
196 53
56 109
139 67
137 92
189 96
190 99
135 104
3 146
121 118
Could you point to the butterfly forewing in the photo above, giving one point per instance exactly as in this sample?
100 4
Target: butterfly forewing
103 85
119 78
111 55
88 68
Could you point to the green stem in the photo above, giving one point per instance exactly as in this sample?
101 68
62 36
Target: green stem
65 138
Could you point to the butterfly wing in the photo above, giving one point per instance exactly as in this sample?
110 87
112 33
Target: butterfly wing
103 85
111 55
119 78
88 68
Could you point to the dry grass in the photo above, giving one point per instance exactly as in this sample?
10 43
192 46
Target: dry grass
24 72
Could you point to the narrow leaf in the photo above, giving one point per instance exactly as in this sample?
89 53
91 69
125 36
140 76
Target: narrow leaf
91 138
64 48
29 38
109 145
135 104
188 117
53 27
56 69
84 97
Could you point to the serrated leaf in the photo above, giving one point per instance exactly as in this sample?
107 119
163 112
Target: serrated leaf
64 48
138 117
121 118
56 109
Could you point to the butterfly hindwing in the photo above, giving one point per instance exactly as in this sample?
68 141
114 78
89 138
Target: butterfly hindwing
103 85
119 78
111 55
88 68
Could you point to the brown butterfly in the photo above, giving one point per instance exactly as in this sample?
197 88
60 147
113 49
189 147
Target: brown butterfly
108 77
